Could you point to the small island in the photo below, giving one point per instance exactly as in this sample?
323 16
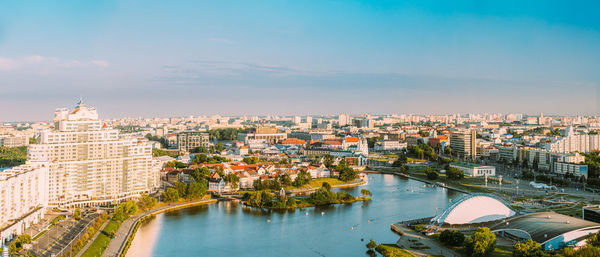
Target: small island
323 196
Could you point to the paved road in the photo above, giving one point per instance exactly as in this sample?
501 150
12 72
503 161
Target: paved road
69 234
415 239
91 240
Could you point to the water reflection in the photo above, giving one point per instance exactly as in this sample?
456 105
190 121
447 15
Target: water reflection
231 229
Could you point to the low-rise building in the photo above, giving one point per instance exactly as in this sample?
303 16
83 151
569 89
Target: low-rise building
390 145
474 169
573 168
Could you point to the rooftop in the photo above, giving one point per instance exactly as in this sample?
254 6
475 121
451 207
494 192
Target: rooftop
543 226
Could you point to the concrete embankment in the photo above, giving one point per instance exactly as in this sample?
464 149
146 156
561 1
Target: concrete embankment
418 179
118 245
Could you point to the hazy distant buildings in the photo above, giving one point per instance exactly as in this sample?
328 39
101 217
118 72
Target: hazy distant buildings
574 143
89 164
188 140
268 134
343 119
13 140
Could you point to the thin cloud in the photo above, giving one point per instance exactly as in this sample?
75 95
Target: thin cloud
44 64
8 64
101 63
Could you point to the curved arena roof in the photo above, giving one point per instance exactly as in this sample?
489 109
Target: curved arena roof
474 208
543 227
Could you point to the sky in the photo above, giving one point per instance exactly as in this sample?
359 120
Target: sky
175 58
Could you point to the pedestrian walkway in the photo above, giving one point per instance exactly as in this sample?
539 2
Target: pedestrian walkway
420 245
117 244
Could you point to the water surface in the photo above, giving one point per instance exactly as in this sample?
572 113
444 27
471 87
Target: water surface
230 229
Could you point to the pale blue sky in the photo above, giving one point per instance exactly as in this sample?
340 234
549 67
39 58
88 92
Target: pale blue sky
172 58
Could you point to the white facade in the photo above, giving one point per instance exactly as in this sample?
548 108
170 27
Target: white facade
390 145
575 143
473 170
89 164
474 208
23 198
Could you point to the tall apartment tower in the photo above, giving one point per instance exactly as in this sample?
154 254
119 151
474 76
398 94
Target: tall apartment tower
89 164
464 143
343 119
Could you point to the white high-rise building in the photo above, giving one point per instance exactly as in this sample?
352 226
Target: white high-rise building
343 119
23 199
89 163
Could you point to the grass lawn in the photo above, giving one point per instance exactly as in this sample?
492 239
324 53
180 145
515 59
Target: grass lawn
319 182
415 160
391 250
502 251
57 219
101 242
39 235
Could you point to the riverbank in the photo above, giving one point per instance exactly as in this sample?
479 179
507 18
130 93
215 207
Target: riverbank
315 188
119 245
308 205
424 180
287 233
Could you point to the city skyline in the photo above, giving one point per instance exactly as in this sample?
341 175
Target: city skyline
309 58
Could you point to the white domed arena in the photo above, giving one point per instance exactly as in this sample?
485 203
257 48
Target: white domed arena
473 209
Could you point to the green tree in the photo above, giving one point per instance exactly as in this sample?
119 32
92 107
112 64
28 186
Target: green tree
528 248
371 244
77 214
285 179
585 251
17 245
452 237
346 173
328 160
365 192
181 189
402 160
12 156
302 179
431 174
200 159
171 195
250 160
594 239
326 186
146 202
196 190
232 179
482 243
455 173
201 174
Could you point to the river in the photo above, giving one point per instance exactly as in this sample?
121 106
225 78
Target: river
230 229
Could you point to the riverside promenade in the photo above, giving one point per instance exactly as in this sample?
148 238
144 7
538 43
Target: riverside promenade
418 244
127 229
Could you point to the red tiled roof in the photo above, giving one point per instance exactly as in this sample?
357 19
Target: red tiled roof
332 142
351 139
292 141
